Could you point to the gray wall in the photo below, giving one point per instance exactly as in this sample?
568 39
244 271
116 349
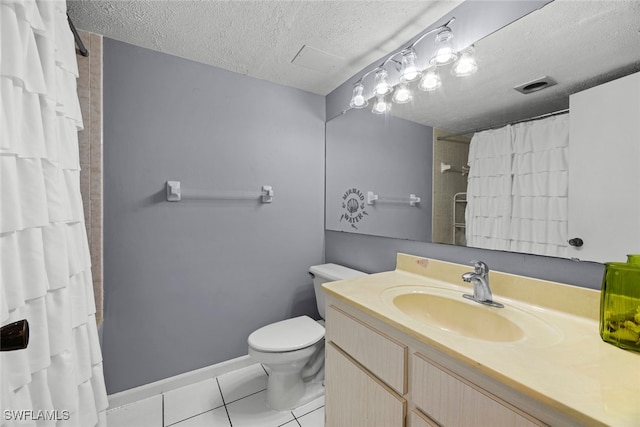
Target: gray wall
390 156
187 282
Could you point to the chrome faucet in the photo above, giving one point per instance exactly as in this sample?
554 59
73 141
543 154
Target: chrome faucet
480 280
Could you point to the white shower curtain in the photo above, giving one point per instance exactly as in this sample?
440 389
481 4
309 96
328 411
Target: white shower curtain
518 187
45 274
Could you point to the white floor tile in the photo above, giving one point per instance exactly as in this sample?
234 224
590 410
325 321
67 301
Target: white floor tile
313 419
252 411
243 382
311 406
144 413
293 423
215 418
194 399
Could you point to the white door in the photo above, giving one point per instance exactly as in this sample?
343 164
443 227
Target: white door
604 170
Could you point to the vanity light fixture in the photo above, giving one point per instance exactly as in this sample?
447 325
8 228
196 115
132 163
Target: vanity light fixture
402 94
466 64
381 106
444 53
358 99
382 86
430 80
408 72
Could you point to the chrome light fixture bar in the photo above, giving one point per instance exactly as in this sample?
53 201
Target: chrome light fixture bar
429 80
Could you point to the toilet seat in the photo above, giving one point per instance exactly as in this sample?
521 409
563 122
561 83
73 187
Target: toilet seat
287 335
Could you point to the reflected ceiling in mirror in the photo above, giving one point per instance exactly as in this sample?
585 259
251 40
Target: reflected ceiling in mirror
579 44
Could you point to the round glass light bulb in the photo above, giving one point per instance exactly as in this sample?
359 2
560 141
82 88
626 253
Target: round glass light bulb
357 99
380 106
430 81
444 48
382 86
465 65
409 71
402 94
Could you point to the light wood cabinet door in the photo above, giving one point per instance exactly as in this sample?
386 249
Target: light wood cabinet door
454 402
382 355
420 420
356 398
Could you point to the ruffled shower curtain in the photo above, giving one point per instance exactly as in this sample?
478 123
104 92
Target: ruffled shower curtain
488 213
540 189
45 272
517 194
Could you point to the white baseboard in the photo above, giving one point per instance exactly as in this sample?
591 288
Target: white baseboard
142 392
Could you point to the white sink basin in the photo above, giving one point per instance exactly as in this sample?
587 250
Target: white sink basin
471 320
448 311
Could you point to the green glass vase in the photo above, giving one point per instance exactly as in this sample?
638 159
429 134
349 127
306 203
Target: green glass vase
620 305
633 259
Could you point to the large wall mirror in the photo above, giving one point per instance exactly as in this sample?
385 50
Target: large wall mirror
421 148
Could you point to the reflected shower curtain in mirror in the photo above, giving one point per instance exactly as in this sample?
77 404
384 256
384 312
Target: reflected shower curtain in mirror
518 188
540 188
45 274
488 213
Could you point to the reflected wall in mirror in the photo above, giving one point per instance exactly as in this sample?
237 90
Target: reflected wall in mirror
369 156
450 172
581 45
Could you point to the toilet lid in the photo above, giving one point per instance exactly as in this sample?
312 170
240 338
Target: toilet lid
287 335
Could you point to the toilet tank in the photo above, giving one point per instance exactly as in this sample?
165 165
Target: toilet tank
329 273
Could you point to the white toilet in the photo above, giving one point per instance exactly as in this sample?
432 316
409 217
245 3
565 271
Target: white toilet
293 349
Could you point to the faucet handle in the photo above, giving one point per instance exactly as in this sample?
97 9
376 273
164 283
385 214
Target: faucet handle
480 267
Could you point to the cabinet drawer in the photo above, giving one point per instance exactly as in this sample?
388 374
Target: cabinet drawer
354 397
383 356
452 401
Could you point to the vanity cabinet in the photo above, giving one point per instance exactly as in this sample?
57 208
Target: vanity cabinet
450 400
378 376
355 397
365 374
382 355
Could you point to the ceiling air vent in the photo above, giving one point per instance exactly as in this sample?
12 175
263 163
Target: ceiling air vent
535 85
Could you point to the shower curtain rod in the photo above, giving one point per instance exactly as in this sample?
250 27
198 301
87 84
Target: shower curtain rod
542 116
81 48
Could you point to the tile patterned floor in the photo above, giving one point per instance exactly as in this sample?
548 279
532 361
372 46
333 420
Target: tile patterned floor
235 399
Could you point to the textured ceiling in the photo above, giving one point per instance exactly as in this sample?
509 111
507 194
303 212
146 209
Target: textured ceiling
261 38
578 43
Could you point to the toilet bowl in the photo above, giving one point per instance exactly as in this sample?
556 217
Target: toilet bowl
287 348
292 350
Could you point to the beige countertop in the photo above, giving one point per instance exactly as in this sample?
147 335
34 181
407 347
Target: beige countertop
561 361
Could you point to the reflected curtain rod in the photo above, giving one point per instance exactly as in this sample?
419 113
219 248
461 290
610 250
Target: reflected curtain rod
542 116
81 48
